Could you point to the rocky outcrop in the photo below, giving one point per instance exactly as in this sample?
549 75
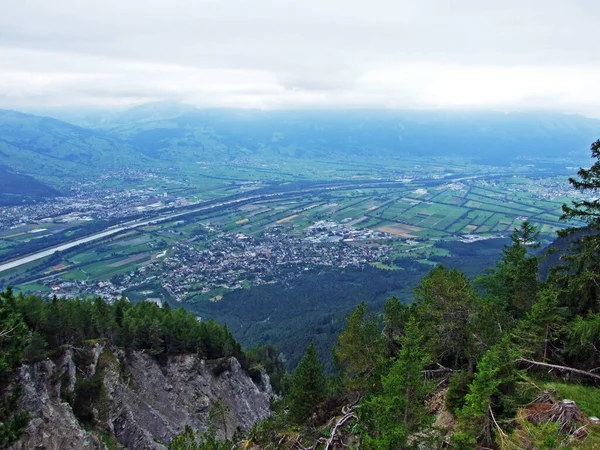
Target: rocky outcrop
53 425
142 404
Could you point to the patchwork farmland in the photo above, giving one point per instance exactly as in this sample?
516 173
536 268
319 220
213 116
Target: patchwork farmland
410 218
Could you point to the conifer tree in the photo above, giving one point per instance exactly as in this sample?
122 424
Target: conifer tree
579 278
400 409
13 336
188 439
307 387
538 334
449 318
585 331
477 419
13 333
360 346
218 417
513 283
396 316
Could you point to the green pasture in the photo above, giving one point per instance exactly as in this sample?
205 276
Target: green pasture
104 270
29 287
75 274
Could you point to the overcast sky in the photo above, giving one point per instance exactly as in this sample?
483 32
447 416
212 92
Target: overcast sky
507 55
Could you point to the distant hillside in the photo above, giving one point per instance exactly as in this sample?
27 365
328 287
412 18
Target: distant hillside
167 133
168 130
17 188
58 151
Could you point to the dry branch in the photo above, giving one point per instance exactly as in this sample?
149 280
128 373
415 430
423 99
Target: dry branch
7 333
432 372
339 423
559 368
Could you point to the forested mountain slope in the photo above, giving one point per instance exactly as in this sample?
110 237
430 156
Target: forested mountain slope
16 188
504 361
58 151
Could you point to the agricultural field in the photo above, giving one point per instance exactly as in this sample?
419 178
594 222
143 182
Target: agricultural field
410 218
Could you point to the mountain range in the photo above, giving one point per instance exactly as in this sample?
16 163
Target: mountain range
157 135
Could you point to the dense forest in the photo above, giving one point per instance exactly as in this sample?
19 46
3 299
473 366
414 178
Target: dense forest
286 314
506 359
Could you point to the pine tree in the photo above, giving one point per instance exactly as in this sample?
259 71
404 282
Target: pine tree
538 334
308 387
477 419
579 278
396 315
513 283
188 439
399 410
13 334
359 348
13 337
588 182
585 332
218 417
448 315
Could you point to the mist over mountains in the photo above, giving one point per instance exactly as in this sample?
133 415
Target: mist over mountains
171 134
493 138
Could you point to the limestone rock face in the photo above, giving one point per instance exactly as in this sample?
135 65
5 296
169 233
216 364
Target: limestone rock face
53 425
143 403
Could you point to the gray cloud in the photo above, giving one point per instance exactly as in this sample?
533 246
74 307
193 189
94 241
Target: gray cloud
287 53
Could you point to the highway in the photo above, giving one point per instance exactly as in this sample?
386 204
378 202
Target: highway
116 229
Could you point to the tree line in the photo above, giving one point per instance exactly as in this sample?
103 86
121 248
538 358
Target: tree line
33 329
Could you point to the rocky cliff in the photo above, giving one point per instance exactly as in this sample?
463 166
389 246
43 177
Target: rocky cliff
86 398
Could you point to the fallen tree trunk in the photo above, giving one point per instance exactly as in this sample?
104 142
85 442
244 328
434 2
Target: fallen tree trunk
559 368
